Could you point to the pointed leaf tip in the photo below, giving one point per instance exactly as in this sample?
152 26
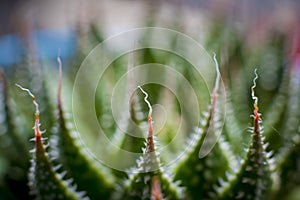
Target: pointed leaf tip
208 145
156 193
217 83
253 179
59 81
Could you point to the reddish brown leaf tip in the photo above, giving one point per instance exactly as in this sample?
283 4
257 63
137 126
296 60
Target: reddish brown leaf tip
37 130
156 193
150 130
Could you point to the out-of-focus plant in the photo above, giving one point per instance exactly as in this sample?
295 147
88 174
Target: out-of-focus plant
262 164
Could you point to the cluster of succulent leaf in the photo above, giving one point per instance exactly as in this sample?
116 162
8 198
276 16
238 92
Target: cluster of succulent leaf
256 157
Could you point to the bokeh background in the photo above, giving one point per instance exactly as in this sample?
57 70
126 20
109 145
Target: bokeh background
244 35
46 26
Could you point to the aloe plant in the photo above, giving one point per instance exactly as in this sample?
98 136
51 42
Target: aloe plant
222 160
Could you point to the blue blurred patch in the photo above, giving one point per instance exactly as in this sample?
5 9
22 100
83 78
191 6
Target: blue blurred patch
10 49
48 43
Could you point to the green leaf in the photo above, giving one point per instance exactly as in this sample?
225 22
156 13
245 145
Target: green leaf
199 169
14 151
11 141
149 180
233 130
89 175
44 181
292 117
276 113
253 180
289 177
288 158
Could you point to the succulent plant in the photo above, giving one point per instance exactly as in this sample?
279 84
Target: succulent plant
221 159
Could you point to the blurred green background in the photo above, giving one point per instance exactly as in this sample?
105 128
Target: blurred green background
244 34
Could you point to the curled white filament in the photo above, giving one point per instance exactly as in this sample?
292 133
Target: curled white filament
255 98
146 100
218 73
32 96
